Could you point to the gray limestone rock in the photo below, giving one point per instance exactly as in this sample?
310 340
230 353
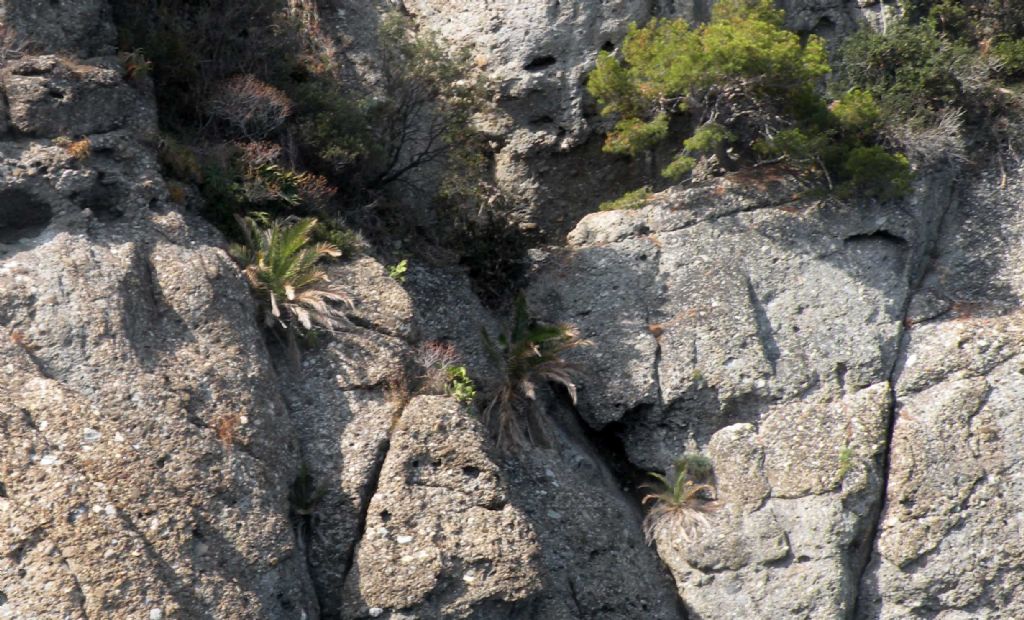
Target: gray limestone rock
53 96
949 540
765 326
441 537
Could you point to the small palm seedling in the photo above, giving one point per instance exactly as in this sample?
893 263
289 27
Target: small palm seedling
683 498
528 354
281 263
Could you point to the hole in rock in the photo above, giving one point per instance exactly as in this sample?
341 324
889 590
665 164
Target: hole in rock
878 235
540 62
608 47
22 216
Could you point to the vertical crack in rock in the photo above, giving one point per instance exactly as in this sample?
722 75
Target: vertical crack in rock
765 334
916 274
607 446
372 484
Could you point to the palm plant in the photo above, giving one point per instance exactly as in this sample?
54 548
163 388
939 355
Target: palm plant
529 354
281 263
683 498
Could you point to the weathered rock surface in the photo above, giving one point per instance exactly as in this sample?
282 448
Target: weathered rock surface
146 455
949 543
766 327
442 539
51 96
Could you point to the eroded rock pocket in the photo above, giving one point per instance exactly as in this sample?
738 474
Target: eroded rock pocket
22 216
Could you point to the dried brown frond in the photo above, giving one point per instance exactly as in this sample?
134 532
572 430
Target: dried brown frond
249 107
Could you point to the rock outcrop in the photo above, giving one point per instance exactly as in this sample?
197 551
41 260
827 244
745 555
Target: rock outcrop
949 540
146 455
854 372
766 327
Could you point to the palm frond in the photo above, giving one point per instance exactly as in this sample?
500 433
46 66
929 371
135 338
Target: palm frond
682 500
281 263
529 355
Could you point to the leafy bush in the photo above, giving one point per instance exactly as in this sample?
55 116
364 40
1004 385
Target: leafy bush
683 498
192 46
459 384
421 113
398 271
746 85
630 200
280 261
913 71
733 76
528 354
875 173
1010 53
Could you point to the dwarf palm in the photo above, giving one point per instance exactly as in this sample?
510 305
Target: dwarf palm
281 263
683 499
528 354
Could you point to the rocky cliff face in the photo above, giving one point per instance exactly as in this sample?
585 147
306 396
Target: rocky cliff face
854 372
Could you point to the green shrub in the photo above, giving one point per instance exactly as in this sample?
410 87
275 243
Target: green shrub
875 173
420 114
280 262
747 86
734 76
630 200
335 232
683 498
1010 53
527 355
459 384
912 70
398 271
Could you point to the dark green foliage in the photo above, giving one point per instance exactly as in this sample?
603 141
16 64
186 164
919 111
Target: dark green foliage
193 45
630 200
1010 53
747 87
493 250
528 355
971 21
731 76
420 114
912 71
875 173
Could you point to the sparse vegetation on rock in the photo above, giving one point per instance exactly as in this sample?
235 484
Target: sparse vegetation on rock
528 355
281 262
682 500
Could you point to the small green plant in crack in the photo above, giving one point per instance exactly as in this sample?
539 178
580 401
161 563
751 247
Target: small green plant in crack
398 271
683 497
845 462
459 384
528 354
